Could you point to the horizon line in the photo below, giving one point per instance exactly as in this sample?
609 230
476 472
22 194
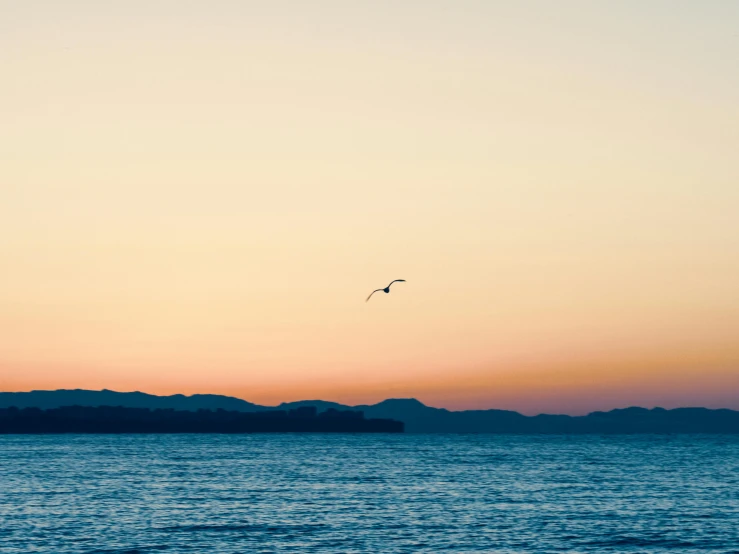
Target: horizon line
360 405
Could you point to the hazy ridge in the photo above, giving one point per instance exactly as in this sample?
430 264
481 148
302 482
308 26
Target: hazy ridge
417 417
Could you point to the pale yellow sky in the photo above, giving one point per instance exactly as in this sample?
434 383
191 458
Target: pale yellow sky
198 196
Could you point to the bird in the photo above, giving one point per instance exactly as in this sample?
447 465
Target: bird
386 290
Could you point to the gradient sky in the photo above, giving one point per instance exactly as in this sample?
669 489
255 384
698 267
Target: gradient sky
198 196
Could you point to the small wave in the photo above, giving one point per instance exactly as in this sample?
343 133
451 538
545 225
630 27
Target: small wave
138 550
236 527
211 528
643 542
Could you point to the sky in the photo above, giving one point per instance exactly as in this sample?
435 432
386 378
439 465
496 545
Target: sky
197 197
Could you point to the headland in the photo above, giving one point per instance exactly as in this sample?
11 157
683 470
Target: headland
117 419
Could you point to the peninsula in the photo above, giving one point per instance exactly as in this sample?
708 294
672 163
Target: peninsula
117 419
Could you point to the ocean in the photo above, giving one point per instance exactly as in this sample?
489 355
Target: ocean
368 493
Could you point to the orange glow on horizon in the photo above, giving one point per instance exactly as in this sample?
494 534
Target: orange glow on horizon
581 386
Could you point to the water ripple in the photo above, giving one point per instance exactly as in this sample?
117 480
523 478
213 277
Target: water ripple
119 494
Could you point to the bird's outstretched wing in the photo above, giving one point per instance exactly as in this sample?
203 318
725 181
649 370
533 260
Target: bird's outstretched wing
373 292
397 281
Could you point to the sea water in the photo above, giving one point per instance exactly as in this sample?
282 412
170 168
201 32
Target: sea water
368 493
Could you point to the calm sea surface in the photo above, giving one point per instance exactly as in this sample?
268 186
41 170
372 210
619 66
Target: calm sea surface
368 493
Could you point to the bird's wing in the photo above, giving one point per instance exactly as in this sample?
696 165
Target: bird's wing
370 296
397 281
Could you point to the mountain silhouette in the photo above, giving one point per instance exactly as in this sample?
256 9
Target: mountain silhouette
117 419
80 397
417 417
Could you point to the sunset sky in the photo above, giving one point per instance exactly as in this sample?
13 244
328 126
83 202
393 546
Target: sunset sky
198 196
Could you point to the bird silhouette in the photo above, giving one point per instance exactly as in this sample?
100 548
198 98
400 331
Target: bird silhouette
386 290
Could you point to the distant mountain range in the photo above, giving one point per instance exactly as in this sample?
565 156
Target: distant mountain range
418 418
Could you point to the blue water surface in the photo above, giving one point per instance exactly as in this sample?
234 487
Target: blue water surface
368 493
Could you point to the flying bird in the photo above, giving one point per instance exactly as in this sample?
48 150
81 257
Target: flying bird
386 290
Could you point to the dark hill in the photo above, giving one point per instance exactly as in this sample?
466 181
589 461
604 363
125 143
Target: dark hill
79 397
418 418
116 419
